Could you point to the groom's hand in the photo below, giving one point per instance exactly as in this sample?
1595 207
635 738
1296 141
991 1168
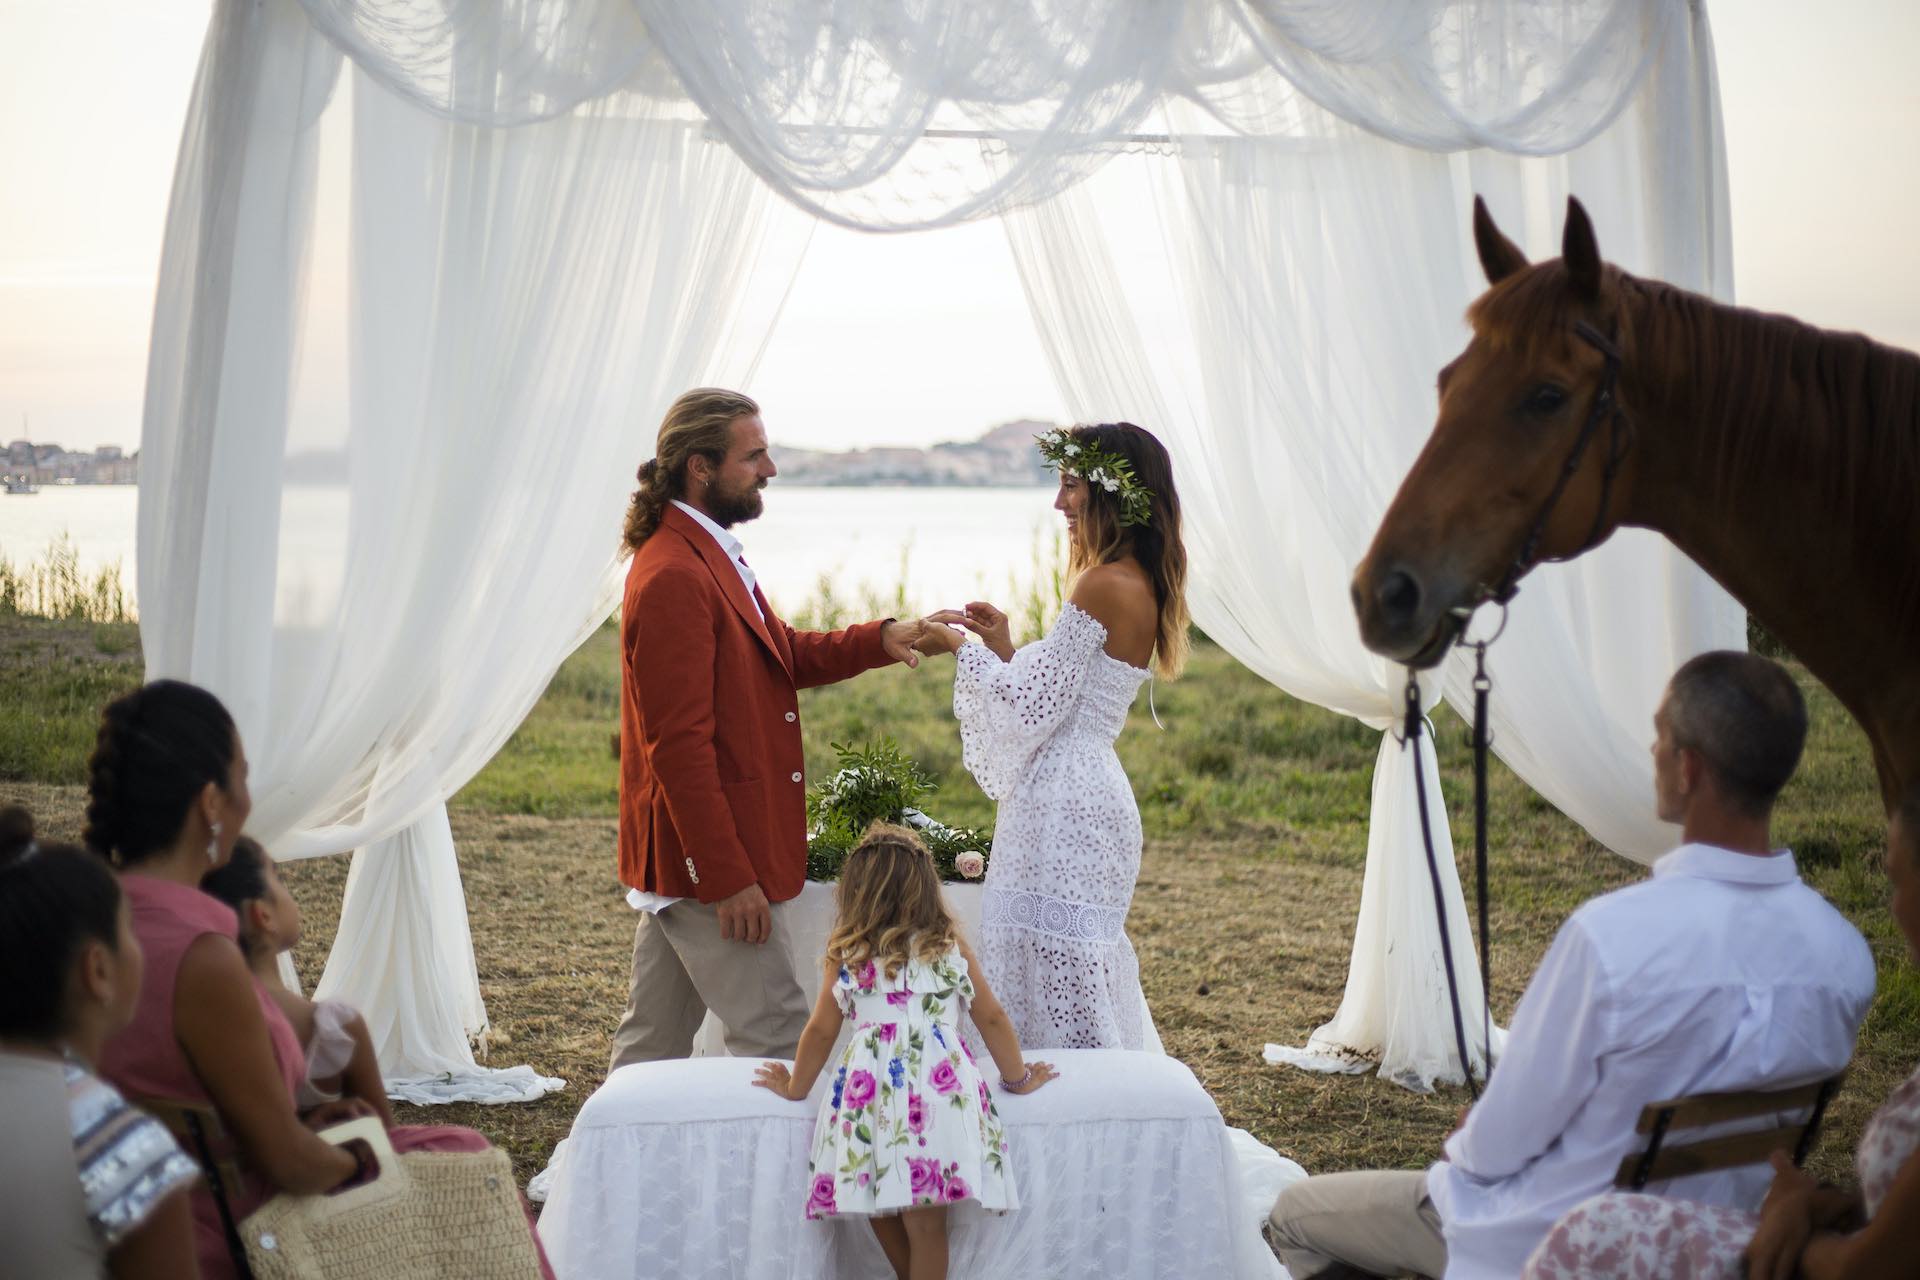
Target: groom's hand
898 637
746 916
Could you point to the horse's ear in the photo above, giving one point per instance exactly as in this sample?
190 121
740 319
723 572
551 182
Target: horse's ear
1499 256
1580 251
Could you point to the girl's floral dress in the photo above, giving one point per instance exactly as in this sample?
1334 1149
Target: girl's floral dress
908 1120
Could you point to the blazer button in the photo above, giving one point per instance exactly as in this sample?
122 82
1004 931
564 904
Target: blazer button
791 717
796 777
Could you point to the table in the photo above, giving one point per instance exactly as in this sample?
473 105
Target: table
1123 1168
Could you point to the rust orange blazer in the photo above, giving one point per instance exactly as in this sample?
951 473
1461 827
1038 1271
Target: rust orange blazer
712 780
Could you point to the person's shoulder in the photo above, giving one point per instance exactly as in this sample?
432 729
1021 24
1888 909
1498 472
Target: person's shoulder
1111 592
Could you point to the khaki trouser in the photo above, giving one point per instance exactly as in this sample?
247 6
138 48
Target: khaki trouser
682 968
1340 1224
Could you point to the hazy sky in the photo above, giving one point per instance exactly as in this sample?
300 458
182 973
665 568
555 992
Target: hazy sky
886 338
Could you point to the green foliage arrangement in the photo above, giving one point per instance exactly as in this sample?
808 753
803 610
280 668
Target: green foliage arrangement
878 782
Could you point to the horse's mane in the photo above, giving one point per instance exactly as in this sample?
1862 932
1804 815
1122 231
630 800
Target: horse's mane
1835 413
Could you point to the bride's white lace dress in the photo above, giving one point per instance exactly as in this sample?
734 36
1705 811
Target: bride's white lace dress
1037 733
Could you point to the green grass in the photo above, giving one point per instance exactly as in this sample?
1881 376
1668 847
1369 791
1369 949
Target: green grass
54 678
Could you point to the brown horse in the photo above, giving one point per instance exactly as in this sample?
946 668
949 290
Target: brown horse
1784 459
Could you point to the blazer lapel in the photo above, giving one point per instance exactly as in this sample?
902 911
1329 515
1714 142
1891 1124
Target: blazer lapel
727 578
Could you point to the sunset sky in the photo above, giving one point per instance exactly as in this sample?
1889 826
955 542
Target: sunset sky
1823 128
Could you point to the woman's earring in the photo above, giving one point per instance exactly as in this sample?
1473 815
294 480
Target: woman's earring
213 844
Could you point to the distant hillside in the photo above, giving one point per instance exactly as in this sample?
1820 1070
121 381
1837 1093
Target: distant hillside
1004 456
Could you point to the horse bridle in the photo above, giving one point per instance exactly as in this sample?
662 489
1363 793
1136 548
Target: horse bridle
1604 408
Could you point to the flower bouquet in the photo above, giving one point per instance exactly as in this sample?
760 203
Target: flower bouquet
877 782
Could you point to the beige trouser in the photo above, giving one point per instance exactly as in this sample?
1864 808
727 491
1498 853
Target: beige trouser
682 967
1379 1224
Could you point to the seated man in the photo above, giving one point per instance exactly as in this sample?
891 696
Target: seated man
1722 972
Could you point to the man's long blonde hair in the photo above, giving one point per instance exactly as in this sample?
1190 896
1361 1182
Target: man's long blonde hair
699 423
888 909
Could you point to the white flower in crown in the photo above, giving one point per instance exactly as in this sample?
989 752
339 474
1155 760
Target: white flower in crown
1072 449
1110 484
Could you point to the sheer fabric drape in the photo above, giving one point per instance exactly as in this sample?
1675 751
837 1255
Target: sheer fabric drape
1293 295
509 311
562 214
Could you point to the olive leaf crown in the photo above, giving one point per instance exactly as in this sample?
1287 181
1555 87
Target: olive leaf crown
1061 451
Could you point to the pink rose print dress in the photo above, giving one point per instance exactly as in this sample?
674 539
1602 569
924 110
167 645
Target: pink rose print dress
1624 1234
909 1121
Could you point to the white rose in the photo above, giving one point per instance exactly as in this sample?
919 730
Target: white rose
970 864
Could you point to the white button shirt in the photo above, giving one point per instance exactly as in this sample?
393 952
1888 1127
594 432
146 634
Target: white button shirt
655 903
1722 972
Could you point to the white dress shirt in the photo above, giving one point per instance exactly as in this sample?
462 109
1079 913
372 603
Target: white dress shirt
639 899
1722 972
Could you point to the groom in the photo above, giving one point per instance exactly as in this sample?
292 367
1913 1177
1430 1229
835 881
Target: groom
712 790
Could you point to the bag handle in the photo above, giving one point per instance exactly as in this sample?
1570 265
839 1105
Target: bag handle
389 1180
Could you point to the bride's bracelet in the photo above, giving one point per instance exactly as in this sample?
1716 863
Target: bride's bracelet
1017 1085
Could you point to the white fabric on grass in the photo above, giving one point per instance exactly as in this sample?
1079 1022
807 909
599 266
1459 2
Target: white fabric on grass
1277 306
561 218
514 307
682 1168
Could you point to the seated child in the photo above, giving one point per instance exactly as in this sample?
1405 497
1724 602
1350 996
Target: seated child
910 1126
340 1057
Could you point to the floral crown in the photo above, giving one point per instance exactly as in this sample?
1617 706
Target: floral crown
1095 465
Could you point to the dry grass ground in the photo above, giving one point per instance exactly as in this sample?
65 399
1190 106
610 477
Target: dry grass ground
1255 808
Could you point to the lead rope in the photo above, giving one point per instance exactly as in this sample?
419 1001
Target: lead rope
1412 740
1482 686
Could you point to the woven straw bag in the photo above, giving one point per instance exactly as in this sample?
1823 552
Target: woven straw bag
454 1215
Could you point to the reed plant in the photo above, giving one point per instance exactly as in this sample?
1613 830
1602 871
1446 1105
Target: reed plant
55 586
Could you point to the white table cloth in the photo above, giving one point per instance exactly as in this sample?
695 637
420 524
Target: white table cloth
1123 1165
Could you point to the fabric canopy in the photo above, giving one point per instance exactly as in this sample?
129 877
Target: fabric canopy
561 213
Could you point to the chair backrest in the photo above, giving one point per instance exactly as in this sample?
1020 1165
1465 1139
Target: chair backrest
1661 1161
197 1128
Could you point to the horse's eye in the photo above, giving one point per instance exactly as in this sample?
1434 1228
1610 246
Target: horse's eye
1545 399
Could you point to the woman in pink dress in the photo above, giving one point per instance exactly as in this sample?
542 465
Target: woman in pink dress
1803 1228
167 797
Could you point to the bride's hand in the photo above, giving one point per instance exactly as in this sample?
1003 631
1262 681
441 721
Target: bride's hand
937 635
987 622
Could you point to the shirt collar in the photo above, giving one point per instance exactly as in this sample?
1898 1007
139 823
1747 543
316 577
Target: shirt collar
1710 862
728 543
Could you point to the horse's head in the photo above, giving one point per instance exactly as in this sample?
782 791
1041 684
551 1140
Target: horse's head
1485 498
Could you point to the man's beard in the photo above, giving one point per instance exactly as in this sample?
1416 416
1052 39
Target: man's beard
728 509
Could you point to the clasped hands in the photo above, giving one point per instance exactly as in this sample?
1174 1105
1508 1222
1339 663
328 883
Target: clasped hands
945 631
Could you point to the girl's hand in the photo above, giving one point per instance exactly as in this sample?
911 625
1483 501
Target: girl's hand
1786 1224
776 1078
1038 1073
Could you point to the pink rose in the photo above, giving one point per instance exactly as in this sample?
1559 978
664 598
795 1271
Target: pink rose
986 1103
885 1031
916 1112
868 976
956 1188
859 1089
943 1078
899 998
820 1204
926 1180
970 864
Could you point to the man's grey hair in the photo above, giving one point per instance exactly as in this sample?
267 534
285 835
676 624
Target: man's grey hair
1745 718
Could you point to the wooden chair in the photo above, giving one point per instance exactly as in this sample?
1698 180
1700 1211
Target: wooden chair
197 1127
1659 1161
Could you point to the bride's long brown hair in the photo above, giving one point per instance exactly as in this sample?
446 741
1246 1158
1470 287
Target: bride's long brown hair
1155 545
888 908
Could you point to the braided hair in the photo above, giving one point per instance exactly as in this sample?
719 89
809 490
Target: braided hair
54 900
698 424
157 749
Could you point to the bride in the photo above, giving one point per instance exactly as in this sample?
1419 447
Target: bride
1037 728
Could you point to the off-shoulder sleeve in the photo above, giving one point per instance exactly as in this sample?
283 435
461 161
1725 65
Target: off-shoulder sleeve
1008 709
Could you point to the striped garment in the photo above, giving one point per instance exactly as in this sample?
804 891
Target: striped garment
128 1161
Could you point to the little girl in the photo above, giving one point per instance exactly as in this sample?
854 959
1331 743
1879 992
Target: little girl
910 1127
340 1057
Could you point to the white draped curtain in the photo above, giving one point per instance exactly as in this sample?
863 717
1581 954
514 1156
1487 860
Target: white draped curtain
1241 222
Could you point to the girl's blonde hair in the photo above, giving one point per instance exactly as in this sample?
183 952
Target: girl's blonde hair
1157 545
888 908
